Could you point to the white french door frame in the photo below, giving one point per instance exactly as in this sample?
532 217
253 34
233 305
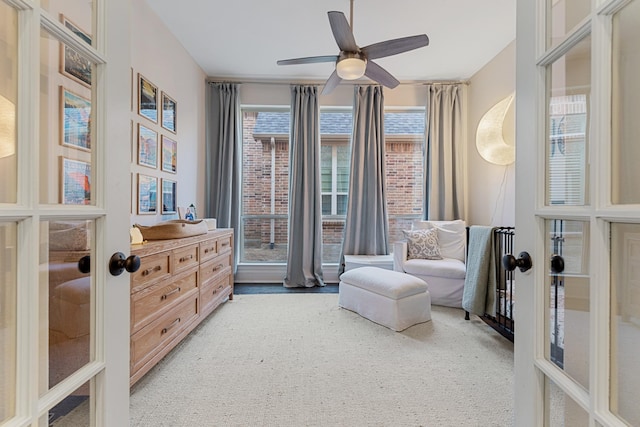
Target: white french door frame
109 369
531 365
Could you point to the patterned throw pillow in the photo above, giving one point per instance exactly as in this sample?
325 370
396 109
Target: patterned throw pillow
422 244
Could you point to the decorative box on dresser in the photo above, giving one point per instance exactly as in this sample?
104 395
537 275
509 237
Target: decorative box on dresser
179 282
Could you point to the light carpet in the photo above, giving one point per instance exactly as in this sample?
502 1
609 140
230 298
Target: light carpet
300 360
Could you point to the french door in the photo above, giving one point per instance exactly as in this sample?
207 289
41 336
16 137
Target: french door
578 213
64 321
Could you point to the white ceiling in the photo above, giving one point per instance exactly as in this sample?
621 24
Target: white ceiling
243 39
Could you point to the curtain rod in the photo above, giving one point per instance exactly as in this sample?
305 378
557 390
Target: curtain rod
318 82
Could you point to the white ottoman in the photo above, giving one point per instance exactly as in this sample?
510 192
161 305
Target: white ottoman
390 298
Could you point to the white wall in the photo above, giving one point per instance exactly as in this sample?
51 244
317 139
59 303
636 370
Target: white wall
160 58
491 188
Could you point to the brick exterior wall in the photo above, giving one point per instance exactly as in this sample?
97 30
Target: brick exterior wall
404 190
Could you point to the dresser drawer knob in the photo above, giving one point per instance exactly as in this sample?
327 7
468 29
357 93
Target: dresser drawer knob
173 324
171 292
186 258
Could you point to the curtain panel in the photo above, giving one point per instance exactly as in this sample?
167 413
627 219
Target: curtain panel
366 230
444 198
223 157
304 258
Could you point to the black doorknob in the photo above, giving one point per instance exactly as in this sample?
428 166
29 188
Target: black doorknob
84 264
523 262
118 264
557 263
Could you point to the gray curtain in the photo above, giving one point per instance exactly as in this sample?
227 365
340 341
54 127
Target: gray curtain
443 154
223 157
304 259
366 230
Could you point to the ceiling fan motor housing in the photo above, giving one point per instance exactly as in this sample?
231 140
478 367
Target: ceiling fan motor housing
351 65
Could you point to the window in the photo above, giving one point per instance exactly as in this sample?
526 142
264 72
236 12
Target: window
265 186
335 179
404 147
263 237
335 163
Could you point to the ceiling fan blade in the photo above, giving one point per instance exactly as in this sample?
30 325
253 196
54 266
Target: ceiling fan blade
333 81
342 32
395 46
308 60
380 75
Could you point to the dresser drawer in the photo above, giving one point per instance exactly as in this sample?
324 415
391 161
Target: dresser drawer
224 244
154 300
153 268
184 258
147 341
210 270
214 292
208 250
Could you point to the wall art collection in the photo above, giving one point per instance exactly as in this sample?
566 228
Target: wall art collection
156 149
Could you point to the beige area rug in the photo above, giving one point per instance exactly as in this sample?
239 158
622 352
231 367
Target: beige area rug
300 360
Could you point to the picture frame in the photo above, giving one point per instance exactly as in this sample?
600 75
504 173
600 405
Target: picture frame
147 147
147 99
75 120
73 64
169 113
169 188
147 194
187 212
75 182
169 155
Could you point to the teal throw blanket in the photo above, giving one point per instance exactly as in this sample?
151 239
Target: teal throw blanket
478 296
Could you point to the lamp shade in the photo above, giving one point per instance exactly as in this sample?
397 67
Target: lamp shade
491 142
351 68
7 127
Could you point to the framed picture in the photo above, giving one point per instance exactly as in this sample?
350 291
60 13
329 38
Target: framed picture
169 196
147 147
75 115
169 155
168 113
147 99
75 182
187 212
72 63
147 194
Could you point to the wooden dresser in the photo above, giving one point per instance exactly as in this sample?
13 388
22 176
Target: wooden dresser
180 282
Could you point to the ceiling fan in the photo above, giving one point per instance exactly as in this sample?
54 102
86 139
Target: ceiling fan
353 62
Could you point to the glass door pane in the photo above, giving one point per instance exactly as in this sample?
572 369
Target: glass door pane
73 411
8 325
562 409
66 298
8 102
66 130
564 16
625 125
568 309
625 321
76 15
568 95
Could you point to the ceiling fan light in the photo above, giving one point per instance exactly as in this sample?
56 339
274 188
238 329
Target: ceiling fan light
351 68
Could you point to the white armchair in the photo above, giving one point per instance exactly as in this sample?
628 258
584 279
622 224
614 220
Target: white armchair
445 276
